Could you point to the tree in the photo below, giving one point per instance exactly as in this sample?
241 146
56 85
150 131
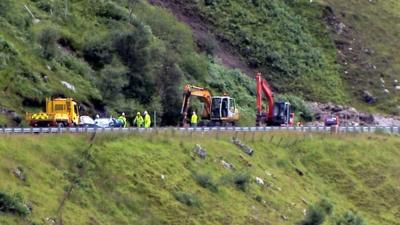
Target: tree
133 49
170 93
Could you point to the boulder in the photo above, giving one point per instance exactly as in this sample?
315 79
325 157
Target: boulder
259 181
368 97
200 151
227 165
19 173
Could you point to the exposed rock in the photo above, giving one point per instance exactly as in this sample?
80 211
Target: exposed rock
386 120
284 217
259 181
68 85
386 91
162 176
19 173
227 165
246 149
299 172
200 151
368 97
50 220
397 88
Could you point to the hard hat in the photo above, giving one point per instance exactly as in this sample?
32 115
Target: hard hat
145 112
97 116
138 113
194 112
123 114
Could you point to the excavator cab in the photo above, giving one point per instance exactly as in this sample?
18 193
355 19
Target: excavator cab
281 114
223 108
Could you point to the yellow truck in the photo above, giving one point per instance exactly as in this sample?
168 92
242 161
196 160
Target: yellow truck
60 112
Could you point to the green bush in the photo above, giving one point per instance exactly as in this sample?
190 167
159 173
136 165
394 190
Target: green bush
206 181
316 213
7 53
315 216
187 198
74 64
112 11
241 180
48 40
350 218
98 53
45 5
326 206
14 15
13 204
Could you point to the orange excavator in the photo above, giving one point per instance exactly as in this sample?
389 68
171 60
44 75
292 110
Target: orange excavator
217 110
278 113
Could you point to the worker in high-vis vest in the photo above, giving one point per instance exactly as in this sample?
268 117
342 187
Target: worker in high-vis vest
122 120
147 120
138 121
194 119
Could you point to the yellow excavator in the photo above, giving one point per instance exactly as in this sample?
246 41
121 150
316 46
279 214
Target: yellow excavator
217 110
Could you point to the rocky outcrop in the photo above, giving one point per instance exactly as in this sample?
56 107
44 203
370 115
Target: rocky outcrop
350 116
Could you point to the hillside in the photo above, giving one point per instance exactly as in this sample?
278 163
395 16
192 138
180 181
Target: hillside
343 51
112 56
134 55
159 179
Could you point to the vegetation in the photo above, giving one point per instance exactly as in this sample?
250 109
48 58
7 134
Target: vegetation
324 50
13 204
350 218
138 60
149 178
141 55
317 213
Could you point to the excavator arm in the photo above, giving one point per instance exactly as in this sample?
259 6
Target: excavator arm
202 93
263 87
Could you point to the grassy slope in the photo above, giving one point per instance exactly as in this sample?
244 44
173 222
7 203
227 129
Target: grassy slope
23 70
375 26
122 184
292 44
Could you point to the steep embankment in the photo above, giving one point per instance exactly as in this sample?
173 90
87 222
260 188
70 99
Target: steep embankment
341 51
160 179
111 56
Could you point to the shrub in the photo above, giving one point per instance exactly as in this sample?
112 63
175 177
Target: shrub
74 64
98 53
14 15
13 204
48 40
206 181
316 213
350 218
326 205
186 198
241 180
315 216
45 5
7 53
112 11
